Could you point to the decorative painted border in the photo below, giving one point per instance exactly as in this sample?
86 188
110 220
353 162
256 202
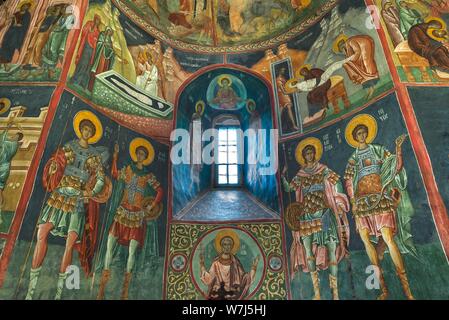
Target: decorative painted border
261 45
183 239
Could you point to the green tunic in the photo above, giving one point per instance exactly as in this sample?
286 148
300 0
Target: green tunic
408 18
104 52
8 149
54 49
317 220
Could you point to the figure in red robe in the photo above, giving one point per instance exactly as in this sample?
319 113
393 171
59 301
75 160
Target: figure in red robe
362 67
75 179
104 56
86 52
182 17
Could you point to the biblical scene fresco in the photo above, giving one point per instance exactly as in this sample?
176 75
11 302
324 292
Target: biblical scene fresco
210 24
418 36
223 150
34 38
334 67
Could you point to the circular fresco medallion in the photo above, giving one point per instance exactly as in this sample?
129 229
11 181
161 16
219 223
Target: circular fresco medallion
220 251
275 263
178 262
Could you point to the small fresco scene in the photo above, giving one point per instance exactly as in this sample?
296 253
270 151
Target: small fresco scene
224 150
418 38
128 74
222 23
34 38
336 66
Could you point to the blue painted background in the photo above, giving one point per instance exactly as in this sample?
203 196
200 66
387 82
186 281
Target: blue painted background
432 112
195 91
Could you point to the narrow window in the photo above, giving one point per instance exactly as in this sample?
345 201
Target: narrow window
228 169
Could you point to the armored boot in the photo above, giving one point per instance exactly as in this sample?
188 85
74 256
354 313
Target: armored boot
60 285
104 280
334 286
405 285
125 287
316 285
34 276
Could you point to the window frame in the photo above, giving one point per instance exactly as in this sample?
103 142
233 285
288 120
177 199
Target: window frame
218 165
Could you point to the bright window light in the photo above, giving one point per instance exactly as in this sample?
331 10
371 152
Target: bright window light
228 169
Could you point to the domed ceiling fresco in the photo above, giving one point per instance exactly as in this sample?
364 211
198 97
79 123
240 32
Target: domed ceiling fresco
220 25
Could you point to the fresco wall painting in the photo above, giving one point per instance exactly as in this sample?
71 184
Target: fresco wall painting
92 90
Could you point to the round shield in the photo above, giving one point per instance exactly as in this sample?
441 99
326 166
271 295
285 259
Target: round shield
292 215
155 212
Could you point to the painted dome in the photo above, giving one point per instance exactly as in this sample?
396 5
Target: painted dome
224 25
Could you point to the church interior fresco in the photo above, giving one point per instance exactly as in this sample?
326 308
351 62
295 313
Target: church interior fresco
103 194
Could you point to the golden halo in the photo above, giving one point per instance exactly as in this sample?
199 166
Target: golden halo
248 103
298 72
443 23
368 121
315 142
141 142
198 105
337 41
223 77
431 30
88 115
25 2
434 37
7 103
227 233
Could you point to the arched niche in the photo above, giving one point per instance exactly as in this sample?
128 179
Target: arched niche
204 99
